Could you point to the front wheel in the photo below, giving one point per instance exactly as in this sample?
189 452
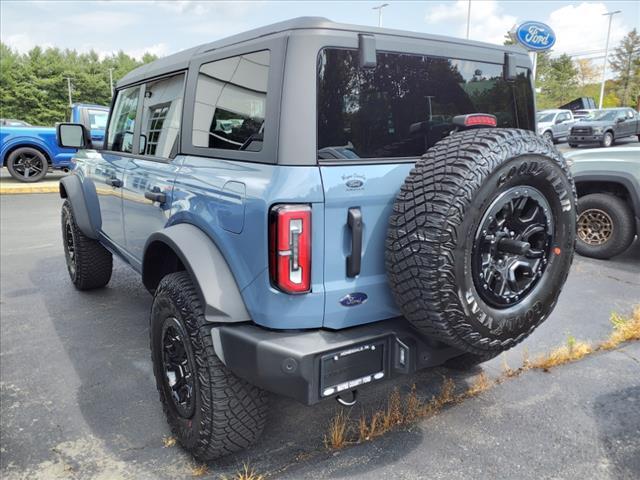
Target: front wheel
607 140
481 239
211 412
548 136
27 165
605 226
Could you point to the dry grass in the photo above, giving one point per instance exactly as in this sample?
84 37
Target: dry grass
247 473
572 351
199 470
624 329
168 442
336 438
406 410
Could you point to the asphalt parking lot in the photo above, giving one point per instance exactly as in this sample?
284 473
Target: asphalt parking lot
78 396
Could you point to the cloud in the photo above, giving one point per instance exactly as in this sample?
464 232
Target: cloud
488 21
581 28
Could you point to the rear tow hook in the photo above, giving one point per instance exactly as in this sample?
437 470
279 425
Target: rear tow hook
350 403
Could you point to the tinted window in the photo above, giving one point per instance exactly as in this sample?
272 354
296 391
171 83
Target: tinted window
231 97
407 103
123 121
161 113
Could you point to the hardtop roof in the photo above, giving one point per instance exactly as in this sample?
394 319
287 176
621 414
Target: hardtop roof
180 61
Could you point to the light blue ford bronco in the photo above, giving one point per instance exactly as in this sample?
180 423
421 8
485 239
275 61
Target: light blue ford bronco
316 207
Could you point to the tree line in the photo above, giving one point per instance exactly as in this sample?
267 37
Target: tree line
562 79
34 85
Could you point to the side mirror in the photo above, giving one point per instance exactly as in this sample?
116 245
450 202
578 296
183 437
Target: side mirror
620 119
72 135
559 120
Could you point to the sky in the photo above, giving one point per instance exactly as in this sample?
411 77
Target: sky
164 27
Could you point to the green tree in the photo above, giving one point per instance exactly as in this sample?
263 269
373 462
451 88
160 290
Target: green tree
557 79
625 62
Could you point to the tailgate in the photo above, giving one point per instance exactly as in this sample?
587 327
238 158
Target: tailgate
371 191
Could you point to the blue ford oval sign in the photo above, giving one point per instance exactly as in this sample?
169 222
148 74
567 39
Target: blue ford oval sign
536 36
353 299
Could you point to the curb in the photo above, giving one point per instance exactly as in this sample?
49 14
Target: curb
25 189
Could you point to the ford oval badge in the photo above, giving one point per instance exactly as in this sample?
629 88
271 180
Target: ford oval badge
353 299
355 183
535 36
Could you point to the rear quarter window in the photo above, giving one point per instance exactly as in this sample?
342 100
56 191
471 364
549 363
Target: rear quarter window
407 103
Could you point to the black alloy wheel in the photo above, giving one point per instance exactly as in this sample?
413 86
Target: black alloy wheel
178 368
69 246
511 246
27 165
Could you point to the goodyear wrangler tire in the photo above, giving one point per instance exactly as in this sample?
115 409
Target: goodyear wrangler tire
481 238
211 412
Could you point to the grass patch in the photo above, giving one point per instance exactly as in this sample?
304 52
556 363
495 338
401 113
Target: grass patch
572 351
336 437
624 329
199 470
168 442
247 473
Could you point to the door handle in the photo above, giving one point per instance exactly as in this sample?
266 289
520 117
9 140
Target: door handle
114 182
354 221
155 196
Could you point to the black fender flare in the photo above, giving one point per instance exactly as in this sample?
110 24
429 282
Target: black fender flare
626 180
84 201
208 268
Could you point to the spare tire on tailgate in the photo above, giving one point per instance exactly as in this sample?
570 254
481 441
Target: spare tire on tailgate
481 239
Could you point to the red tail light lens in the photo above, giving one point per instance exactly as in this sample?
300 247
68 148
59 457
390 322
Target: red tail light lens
290 248
480 119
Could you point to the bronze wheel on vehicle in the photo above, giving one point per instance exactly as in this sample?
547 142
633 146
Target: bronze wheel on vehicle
595 227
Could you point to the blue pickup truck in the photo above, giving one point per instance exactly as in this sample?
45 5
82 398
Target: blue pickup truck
28 152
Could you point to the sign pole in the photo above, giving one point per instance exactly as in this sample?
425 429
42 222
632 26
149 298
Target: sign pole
534 60
606 54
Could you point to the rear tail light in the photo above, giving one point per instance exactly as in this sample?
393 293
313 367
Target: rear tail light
475 120
290 248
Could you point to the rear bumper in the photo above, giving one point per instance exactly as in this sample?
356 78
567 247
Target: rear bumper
312 365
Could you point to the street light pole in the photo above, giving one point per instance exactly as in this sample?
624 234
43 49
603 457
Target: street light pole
606 54
379 8
111 80
468 18
69 89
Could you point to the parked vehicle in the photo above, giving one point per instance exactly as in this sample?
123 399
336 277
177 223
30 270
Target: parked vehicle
273 191
29 152
606 126
12 122
554 125
608 185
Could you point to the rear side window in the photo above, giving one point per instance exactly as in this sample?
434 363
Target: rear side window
407 103
98 119
161 113
231 97
123 121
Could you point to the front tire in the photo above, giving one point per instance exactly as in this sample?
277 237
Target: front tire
211 412
605 226
607 140
89 264
481 238
27 165
548 136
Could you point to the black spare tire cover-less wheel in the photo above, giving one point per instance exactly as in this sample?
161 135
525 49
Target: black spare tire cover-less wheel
481 238
606 226
27 165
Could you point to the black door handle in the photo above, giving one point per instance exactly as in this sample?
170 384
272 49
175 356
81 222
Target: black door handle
155 196
114 182
354 221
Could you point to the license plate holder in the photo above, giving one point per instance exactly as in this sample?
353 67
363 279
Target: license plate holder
350 368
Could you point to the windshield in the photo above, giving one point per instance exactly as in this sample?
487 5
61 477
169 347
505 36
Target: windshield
606 115
545 117
407 102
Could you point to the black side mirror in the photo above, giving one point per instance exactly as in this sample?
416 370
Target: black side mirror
72 135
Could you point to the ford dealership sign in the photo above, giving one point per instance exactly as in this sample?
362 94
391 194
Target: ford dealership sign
535 36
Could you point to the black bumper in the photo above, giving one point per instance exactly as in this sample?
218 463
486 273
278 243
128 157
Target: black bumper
312 365
585 139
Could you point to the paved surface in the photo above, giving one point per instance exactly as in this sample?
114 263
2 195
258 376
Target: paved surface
9 185
78 396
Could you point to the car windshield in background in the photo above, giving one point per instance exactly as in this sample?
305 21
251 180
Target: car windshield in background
606 115
545 117
98 119
407 103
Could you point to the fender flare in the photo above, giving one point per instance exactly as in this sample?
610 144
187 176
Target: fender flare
216 285
626 180
84 201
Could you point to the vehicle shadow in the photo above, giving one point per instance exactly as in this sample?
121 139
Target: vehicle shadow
105 335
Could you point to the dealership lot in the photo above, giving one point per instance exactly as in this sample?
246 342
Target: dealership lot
79 400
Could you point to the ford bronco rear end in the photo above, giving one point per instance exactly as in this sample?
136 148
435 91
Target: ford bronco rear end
316 207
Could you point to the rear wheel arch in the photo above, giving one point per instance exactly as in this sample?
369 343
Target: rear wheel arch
619 186
185 247
13 148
